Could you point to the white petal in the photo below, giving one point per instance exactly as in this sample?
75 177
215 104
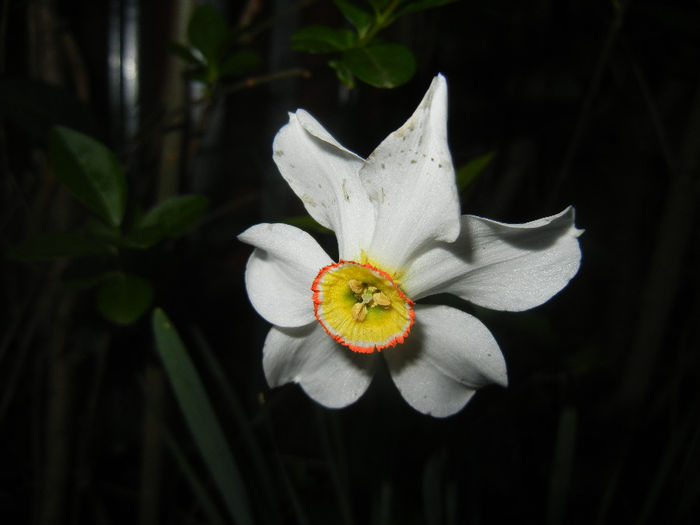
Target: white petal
324 175
509 267
280 272
411 181
447 356
329 373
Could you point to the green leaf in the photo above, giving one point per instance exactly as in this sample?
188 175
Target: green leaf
89 272
239 63
381 65
176 215
54 245
433 489
379 5
562 465
471 170
201 419
169 219
361 19
90 171
186 53
422 5
343 73
305 222
87 282
244 426
323 39
200 490
208 32
101 231
125 298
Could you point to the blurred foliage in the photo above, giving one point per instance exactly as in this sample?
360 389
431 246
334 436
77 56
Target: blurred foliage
212 52
361 53
90 172
201 419
467 174
93 174
123 298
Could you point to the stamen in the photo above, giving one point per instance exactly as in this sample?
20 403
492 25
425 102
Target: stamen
381 299
359 312
356 286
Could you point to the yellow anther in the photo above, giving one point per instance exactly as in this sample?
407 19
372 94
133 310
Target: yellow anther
356 286
368 296
359 312
381 299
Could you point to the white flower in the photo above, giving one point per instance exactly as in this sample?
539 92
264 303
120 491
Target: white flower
401 238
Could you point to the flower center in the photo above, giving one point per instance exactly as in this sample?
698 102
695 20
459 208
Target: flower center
361 307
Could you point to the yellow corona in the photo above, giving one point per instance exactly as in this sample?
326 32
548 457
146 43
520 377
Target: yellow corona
361 306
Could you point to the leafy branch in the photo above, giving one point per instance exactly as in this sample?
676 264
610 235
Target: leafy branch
95 177
359 53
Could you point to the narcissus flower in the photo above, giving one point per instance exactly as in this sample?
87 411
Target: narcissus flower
401 238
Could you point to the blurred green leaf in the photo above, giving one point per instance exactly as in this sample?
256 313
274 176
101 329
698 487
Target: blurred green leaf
422 5
199 489
379 5
343 73
176 215
88 272
201 419
124 298
54 245
381 508
305 222
239 63
381 65
468 173
244 425
168 220
586 361
86 282
204 74
361 19
433 490
90 171
98 229
185 52
562 466
323 39
208 32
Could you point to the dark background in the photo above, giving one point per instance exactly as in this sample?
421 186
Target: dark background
586 102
